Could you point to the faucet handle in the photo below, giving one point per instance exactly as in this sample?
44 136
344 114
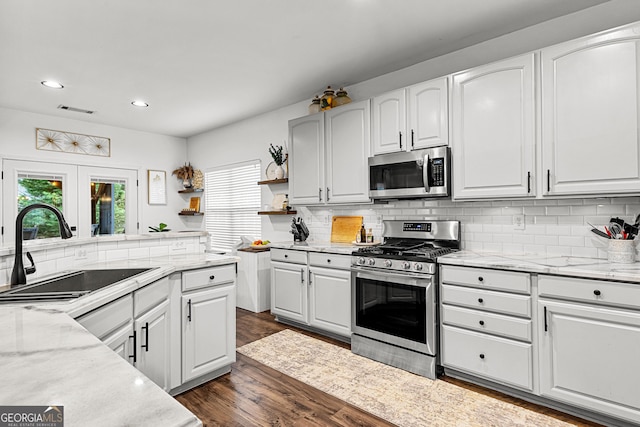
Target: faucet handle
32 268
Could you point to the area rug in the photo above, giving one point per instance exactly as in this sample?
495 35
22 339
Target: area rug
392 394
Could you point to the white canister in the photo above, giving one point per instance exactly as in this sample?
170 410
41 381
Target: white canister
622 251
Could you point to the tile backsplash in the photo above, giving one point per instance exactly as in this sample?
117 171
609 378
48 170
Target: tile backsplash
69 254
552 227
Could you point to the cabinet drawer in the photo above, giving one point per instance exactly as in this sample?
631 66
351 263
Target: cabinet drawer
499 359
288 255
330 260
588 290
208 277
150 296
481 321
499 302
107 319
487 279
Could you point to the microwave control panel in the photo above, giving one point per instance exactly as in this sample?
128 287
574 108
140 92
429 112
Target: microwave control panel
437 172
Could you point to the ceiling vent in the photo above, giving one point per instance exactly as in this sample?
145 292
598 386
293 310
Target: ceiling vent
74 109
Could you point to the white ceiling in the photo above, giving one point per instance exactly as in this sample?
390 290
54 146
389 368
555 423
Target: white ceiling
201 64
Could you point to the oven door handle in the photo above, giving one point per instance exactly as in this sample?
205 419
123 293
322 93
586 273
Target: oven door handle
420 280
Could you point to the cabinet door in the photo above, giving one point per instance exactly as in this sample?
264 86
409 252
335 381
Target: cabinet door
306 160
347 136
208 333
121 342
589 357
289 294
493 130
154 344
428 124
330 300
389 122
590 114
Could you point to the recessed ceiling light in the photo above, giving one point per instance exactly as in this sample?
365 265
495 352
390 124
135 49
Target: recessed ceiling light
139 103
52 84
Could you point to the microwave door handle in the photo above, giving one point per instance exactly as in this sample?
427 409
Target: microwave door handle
425 173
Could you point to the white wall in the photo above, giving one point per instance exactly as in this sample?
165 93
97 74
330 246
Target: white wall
129 149
249 139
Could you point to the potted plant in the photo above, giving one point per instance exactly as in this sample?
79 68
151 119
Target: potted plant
185 173
279 158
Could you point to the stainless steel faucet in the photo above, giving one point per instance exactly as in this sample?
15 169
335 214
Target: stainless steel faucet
19 275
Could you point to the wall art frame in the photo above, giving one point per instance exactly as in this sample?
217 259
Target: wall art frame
70 142
157 187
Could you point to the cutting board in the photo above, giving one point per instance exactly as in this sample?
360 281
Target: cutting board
344 228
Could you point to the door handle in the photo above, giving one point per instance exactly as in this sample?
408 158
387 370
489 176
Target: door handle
189 312
528 182
412 146
319 194
146 337
425 173
135 345
302 276
548 180
400 133
327 194
546 326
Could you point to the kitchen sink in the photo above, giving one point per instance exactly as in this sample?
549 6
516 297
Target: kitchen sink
69 286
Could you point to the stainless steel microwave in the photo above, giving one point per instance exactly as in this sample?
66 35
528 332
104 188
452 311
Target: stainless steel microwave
412 174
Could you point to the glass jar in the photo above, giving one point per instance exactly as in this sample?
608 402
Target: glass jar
326 102
341 98
315 107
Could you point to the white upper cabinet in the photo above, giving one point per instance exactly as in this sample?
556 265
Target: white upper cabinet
590 114
428 124
411 118
390 122
306 163
493 130
328 156
347 133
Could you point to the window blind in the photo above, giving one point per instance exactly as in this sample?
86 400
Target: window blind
232 202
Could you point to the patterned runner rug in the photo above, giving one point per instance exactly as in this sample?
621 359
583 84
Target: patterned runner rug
395 395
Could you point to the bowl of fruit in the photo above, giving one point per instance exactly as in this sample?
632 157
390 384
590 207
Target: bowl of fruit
260 244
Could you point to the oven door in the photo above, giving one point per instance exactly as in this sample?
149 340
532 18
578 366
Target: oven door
395 308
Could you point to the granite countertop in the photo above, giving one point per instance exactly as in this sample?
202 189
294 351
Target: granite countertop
50 359
327 247
589 268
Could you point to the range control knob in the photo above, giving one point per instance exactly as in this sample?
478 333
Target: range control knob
387 263
417 266
361 260
406 265
371 261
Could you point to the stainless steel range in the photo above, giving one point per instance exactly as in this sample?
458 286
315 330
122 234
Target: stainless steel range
394 316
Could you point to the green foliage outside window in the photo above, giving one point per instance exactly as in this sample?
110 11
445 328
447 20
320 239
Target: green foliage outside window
40 191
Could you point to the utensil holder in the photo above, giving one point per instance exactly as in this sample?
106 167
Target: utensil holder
622 251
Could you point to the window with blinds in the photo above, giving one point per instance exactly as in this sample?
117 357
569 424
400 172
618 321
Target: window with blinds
232 202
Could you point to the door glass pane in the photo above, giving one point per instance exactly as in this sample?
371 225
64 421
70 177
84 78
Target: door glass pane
40 223
107 207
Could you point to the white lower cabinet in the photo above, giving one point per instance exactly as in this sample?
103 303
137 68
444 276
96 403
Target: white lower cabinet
486 326
208 321
589 352
185 323
330 300
208 335
312 289
154 344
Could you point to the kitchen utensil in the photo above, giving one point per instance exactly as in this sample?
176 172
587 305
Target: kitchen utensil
344 228
600 233
616 230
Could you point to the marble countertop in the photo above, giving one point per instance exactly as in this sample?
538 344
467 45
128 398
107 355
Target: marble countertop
49 359
590 268
327 247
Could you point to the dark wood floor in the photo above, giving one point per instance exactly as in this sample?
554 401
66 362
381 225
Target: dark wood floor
256 395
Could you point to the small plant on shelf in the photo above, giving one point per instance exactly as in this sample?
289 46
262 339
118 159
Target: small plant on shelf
278 156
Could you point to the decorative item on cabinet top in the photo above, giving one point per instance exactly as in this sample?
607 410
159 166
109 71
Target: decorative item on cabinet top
329 100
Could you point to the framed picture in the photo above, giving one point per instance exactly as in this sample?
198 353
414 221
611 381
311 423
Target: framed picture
194 204
157 182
